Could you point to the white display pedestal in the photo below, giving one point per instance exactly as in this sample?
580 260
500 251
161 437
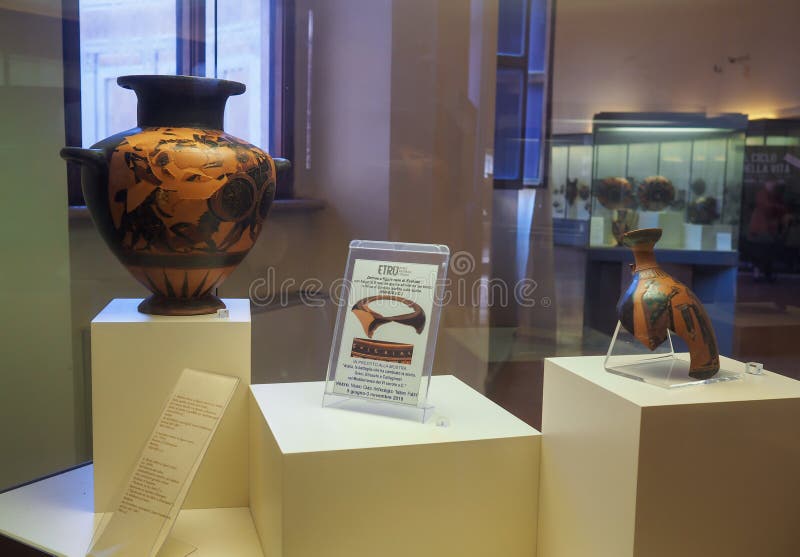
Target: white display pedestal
136 360
331 482
630 469
55 516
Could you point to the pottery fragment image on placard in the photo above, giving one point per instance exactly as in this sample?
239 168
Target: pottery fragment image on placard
655 302
177 200
371 319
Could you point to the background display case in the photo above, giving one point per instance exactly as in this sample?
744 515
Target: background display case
571 176
769 235
570 182
697 207
701 158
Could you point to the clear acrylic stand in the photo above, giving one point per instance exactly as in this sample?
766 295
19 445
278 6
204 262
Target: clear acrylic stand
662 367
434 255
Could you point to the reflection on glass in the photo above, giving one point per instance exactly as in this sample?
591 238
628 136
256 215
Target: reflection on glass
508 124
611 160
537 43
111 46
511 27
559 163
533 132
642 160
708 165
674 162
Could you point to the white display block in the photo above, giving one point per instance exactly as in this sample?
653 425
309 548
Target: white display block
326 481
693 235
55 516
648 219
718 237
136 360
631 469
599 231
671 224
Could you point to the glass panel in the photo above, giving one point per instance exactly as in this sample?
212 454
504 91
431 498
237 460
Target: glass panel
675 162
111 47
511 27
559 159
413 125
642 161
534 112
242 46
708 168
508 124
537 45
580 171
732 194
611 160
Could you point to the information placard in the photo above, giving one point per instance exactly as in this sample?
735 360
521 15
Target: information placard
150 501
387 323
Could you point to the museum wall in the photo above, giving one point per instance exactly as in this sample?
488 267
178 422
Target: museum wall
36 379
654 55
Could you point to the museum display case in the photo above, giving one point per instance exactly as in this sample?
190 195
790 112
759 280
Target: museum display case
536 268
570 179
681 172
571 176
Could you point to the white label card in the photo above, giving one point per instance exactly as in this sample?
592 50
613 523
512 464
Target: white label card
385 331
155 491
724 241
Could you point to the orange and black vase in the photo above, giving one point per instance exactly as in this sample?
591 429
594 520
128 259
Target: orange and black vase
655 302
179 201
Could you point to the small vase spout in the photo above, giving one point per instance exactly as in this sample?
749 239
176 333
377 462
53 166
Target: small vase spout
642 243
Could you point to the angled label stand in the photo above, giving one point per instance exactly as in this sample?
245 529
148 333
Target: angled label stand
150 501
385 337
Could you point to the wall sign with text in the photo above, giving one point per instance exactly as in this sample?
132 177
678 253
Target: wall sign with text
387 323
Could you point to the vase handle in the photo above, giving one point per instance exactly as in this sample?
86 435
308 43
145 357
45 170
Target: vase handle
282 166
92 157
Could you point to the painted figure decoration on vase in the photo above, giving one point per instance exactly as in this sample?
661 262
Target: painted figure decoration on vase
655 302
178 201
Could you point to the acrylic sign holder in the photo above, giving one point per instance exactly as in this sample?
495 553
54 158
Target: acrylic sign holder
431 254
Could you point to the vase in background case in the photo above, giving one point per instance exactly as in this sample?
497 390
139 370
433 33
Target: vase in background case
655 302
179 201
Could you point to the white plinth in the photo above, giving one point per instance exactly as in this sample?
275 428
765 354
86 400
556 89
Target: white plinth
55 516
630 469
136 360
326 481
